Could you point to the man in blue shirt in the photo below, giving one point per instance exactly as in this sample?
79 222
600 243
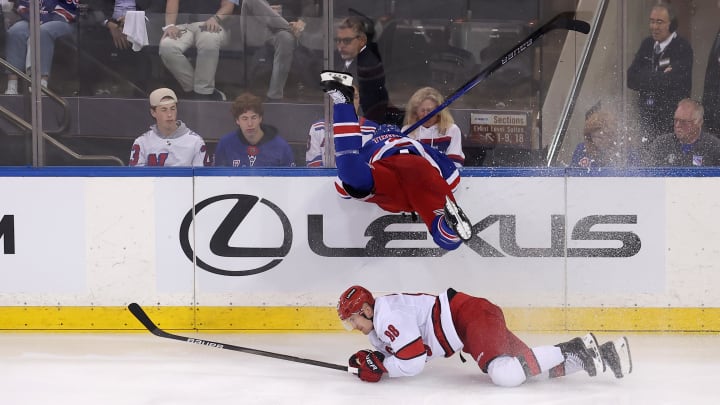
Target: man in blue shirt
254 143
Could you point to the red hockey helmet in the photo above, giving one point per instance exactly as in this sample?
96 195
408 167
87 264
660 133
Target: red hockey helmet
351 301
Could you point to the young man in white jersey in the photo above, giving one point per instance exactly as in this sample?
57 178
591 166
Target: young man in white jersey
169 142
407 330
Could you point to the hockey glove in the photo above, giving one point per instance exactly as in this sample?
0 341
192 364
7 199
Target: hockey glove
338 85
369 365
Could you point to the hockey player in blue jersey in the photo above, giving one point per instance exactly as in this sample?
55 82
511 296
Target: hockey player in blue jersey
397 173
315 150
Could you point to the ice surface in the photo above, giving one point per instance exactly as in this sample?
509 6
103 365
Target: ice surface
139 369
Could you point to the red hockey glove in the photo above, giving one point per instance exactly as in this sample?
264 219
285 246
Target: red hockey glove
369 365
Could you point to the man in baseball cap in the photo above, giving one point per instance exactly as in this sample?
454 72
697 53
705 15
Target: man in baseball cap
169 142
162 96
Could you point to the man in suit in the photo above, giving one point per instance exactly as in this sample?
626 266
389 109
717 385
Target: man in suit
359 57
661 72
711 90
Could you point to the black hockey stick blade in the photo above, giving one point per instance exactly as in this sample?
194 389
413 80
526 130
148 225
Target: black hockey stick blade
565 20
141 316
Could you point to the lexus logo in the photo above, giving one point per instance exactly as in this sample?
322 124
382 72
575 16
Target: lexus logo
220 240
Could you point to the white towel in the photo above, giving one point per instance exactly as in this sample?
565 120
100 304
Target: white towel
135 29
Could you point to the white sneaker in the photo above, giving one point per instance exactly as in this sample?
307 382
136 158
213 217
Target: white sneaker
43 83
12 88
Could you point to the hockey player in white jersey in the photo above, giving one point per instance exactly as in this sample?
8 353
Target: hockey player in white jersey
407 330
169 142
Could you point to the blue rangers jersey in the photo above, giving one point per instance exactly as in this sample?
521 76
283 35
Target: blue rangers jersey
387 141
233 150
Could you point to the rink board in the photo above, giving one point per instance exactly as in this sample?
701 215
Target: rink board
214 249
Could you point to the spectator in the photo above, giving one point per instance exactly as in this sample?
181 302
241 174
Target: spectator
604 145
440 131
315 152
207 33
711 91
689 145
254 143
168 142
661 72
362 60
264 25
408 330
113 50
56 20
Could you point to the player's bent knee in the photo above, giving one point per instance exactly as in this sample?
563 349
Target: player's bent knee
506 372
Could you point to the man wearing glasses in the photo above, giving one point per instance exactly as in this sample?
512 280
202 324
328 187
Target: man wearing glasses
661 73
688 144
359 58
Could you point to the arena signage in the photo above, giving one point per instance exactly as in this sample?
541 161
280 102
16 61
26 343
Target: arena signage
630 242
220 241
382 234
7 234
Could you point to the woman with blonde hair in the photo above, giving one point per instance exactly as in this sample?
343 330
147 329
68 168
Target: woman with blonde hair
440 131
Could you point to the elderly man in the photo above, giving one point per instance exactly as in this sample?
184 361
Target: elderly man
688 144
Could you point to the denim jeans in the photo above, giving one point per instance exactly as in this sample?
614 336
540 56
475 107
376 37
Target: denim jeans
16 48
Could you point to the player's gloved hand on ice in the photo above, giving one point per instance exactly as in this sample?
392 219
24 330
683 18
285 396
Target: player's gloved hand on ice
337 85
369 364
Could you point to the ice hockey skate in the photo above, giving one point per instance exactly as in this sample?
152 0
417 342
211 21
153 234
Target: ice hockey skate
457 220
583 352
616 355
337 85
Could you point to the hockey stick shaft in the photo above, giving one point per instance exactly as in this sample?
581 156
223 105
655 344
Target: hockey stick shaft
564 20
141 316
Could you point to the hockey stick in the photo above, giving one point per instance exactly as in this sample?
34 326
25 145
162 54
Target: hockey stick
564 20
141 316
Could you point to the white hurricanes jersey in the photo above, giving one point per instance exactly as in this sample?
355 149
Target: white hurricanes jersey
411 329
182 148
450 143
